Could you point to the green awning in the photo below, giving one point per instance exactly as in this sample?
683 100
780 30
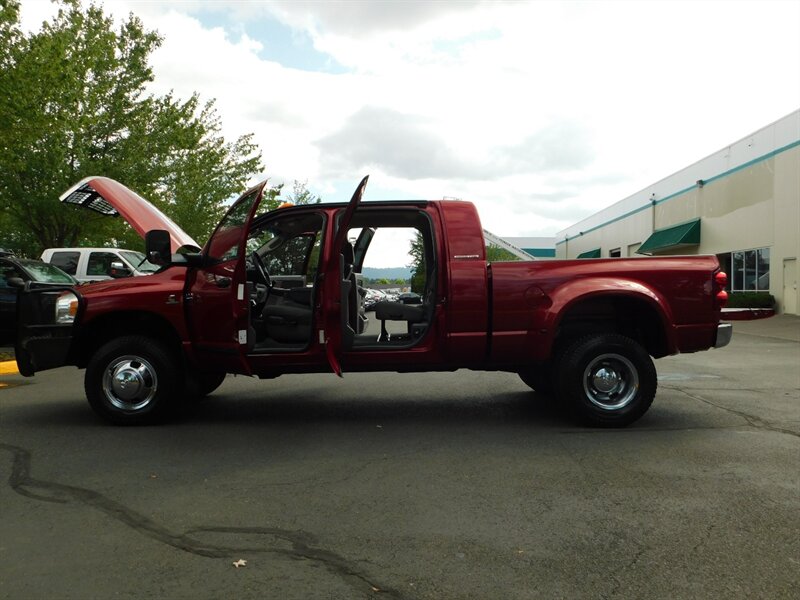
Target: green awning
670 238
541 252
590 254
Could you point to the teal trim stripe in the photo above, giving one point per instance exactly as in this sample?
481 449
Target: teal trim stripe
630 213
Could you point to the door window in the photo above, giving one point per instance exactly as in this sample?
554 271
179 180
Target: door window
224 244
100 264
7 271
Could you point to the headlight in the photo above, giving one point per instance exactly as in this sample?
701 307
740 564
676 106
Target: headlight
66 307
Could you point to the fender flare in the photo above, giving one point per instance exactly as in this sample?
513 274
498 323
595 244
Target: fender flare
571 293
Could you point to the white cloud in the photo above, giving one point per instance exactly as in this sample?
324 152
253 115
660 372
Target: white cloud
540 112
408 146
351 19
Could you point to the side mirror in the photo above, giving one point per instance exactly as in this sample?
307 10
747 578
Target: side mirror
119 270
158 247
16 282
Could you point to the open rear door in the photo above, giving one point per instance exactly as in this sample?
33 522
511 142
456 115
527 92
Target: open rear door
333 282
218 295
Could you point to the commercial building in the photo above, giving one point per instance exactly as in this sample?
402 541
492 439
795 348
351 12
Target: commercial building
525 248
538 247
742 204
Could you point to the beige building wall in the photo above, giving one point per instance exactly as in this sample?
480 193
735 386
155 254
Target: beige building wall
747 197
786 250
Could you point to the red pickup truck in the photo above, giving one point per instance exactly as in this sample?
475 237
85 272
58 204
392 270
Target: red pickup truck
280 292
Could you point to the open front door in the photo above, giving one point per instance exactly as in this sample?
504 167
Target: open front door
337 277
218 294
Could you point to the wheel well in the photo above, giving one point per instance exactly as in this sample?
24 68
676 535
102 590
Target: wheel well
110 326
631 317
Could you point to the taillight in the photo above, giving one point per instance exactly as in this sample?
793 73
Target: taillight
721 280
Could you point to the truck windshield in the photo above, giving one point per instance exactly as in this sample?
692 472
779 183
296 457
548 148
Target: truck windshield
139 262
45 272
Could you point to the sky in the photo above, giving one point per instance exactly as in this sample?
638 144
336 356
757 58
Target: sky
541 113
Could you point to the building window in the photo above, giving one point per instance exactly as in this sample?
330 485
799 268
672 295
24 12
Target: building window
615 253
748 270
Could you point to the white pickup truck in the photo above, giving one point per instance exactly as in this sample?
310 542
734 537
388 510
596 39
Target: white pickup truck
98 264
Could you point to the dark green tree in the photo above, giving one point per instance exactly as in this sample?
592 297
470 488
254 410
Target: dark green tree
299 195
417 265
73 104
302 195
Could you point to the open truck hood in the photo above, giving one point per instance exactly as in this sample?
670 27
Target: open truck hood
109 197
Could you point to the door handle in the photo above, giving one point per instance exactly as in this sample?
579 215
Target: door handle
223 282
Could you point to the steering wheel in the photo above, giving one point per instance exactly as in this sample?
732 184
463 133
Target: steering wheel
261 270
262 285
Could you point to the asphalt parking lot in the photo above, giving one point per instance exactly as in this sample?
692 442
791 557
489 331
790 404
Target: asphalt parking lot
462 485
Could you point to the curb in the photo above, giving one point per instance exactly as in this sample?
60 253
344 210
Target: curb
9 367
746 314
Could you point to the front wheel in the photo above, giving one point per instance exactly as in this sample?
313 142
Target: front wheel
132 380
606 380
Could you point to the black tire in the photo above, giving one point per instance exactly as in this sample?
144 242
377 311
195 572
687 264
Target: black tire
606 380
199 384
133 380
539 379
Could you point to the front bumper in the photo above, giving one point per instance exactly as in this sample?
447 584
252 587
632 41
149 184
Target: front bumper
724 335
47 347
41 343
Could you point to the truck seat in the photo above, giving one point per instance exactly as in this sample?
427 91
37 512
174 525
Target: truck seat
398 311
286 319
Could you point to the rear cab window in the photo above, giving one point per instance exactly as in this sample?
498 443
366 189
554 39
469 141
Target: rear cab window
66 261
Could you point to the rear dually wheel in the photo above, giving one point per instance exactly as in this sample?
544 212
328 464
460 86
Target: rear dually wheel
606 380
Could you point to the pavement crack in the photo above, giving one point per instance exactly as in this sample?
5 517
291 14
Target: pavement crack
300 543
751 420
302 548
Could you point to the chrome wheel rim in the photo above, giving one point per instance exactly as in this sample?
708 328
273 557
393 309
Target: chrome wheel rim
130 383
610 381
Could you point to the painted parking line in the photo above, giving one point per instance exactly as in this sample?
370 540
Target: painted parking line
9 367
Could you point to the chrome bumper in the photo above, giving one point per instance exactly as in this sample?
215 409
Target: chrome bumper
724 335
